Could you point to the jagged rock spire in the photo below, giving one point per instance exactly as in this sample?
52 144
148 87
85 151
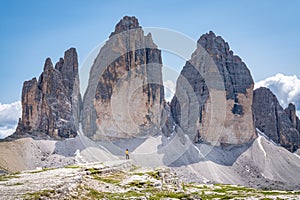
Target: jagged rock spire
213 95
277 124
291 112
125 24
236 75
48 104
125 94
48 64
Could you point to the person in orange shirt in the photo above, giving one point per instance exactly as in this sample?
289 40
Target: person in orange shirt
127 154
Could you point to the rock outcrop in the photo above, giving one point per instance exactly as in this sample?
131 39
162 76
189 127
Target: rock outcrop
291 112
213 100
168 125
277 124
51 104
125 94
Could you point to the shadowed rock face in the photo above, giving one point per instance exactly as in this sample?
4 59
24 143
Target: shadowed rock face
125 94
270 118
236 76
49 103
214 95
291 112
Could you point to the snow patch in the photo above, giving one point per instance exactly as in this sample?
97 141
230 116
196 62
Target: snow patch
263 175
78 158
205 180
296 155
198 151
261 147
265 136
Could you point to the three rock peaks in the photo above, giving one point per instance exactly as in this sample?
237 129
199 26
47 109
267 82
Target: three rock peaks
214 100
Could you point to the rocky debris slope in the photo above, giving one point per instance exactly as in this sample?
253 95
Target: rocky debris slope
125 95
120 180
39 151
51 104
260 165
26 153
278 124
213 99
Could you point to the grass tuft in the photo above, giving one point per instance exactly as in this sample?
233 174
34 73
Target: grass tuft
39 194
6 177
72 167
43 170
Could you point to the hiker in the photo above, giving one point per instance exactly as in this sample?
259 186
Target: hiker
127 154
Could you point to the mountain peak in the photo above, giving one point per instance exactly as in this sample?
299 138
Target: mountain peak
125 24
48 64
214 44
211 33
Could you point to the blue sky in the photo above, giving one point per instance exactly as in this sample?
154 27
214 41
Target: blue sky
265 34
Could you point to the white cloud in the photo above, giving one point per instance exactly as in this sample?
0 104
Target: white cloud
5 131
169 89
286 89
9 116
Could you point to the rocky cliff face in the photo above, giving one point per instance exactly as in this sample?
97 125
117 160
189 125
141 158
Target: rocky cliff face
291 112
270 118
51 104
214 95
125 94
